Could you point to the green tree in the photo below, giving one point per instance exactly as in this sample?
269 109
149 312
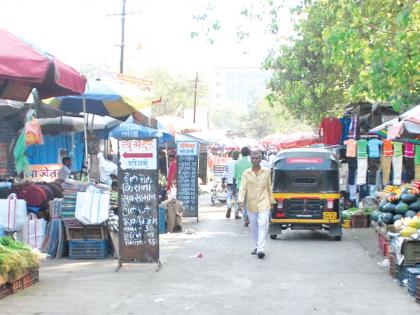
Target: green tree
341 51
176 92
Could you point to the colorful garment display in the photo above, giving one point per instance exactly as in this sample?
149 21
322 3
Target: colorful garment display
397 170
386 169
387 148
351 148
345 128
362 149
398 149
330 131
409 150
374 146
362 167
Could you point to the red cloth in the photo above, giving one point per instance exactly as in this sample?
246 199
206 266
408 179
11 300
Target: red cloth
330 131
171 173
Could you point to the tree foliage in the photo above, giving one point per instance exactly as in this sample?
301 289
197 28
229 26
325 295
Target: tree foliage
176 92
341 51
347 51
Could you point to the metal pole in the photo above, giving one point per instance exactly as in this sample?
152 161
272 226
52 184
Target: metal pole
195 95
122 37
85 134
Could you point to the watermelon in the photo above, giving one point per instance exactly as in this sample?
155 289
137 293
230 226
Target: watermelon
401 208
381 205
414 205
389 207
410 214
408 198
374 216
397 217
387 218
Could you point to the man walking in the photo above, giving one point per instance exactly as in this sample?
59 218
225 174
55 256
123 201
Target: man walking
232 191
256 186
243 164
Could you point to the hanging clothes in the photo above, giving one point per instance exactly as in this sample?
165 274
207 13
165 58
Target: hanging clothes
409 150
362 166
351 148
417 161
354 130
374 146
345 128
362 149
397 164
330 131
387 148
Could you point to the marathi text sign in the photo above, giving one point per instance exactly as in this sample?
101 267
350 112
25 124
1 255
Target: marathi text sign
138 201
44 172
187 148
138 154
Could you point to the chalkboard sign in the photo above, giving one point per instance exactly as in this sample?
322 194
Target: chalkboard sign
187 176
138 201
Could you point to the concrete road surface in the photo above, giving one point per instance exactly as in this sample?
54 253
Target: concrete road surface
303 273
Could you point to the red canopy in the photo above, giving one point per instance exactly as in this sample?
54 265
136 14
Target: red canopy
23 67
295 140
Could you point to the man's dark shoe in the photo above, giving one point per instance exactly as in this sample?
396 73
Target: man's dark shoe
237 217
254 252
228 213
261 255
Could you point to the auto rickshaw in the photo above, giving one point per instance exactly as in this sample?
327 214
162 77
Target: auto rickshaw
306 188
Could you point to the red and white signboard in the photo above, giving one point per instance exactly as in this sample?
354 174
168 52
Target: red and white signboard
304 161
138 154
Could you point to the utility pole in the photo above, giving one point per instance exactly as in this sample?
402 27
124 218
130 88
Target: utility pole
195 95
122 37
122 44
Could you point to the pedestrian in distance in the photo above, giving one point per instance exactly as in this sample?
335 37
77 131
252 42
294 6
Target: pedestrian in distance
171 170
231 189
257 193
240 167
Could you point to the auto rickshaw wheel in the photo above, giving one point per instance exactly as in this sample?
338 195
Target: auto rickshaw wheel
337 238
273 236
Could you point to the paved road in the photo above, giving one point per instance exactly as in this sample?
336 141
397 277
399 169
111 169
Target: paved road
303 273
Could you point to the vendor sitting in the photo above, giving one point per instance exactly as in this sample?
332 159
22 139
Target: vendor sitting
65 171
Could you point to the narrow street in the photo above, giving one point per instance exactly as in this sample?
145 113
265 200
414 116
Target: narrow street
303 273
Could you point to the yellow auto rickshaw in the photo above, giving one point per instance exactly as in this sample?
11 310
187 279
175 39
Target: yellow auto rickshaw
306 188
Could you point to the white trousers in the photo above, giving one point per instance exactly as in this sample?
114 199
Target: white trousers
397 163
259 222
362 167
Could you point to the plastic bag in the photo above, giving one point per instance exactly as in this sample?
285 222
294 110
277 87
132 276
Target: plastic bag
12 213
33 232
92 207
33 132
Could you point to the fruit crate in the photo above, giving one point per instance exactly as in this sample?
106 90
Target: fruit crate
17 285
27 280
412 274
385 249
94 232
88 249
359 221
346 224
34 273
5 290
401 272
411 251
392 265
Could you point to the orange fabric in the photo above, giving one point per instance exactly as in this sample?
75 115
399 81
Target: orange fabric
387 148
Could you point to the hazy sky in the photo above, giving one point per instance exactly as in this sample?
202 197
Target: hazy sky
83 32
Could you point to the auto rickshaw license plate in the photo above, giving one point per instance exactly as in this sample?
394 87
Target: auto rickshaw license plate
330 215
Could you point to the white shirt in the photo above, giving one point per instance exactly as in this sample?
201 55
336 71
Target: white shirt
64 173
229 169
106 169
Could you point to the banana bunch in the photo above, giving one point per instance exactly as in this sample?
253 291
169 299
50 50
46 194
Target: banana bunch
392 189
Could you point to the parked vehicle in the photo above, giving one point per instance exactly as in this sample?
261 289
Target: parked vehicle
306 188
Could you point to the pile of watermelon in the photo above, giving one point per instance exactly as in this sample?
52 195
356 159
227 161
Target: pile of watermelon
397 207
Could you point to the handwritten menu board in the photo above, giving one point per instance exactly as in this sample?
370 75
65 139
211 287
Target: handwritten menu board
187 177
138 206
3 158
